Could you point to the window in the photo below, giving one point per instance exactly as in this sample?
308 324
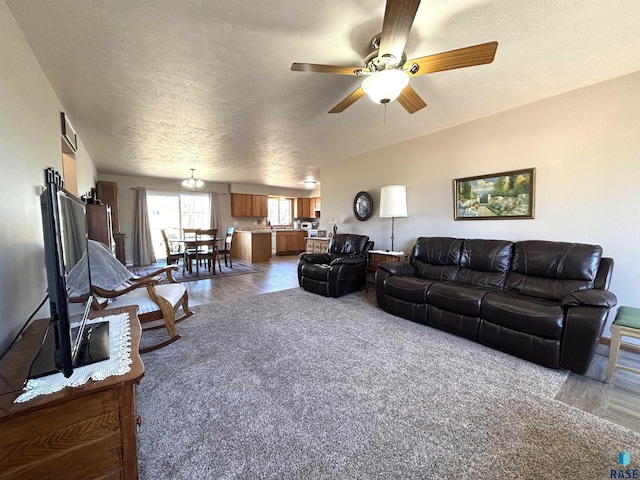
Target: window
174 211
280 211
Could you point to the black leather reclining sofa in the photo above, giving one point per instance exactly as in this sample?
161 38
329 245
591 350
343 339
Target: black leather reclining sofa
546 302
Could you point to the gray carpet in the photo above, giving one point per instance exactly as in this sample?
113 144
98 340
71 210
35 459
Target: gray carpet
295 385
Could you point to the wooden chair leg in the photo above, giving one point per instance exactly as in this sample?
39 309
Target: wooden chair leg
614 349
184 303
168 317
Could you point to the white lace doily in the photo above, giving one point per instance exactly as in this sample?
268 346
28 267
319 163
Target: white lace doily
119 362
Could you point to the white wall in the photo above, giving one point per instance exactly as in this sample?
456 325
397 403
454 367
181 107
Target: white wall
30 139
585 146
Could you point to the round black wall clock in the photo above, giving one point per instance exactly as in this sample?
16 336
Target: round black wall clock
362 206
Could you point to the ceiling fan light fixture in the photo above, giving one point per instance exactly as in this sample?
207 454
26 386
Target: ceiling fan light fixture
386 85
192 182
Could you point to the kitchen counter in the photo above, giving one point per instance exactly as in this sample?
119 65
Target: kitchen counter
251 246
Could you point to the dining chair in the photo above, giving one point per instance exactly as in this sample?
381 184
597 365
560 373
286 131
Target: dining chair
173 248
227 248
206 249
189 253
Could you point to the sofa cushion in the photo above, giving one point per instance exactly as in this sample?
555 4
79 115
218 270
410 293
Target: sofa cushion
409 289
172 292
551 270
485 263
316 271
346 244
437 258
453 322
545 351
456 297
416 312
531 315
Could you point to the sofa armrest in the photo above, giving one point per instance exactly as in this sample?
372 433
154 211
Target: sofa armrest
586 314
592 297
348 261
398 268
582 331
322 258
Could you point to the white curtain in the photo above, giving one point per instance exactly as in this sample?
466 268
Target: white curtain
142 243
215 211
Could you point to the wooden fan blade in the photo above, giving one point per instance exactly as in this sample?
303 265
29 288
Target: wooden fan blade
347 102
460 58
313 67
410 100
398 19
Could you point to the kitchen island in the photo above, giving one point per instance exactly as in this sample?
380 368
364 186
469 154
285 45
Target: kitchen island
251 246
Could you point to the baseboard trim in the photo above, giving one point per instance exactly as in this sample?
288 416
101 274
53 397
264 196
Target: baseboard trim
623 346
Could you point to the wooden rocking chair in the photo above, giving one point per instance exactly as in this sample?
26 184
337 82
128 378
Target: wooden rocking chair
116 287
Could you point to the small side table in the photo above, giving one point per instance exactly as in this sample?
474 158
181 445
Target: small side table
377 256
626 323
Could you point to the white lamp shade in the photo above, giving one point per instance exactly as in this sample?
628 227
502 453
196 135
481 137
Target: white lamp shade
334 219
385 86
393 201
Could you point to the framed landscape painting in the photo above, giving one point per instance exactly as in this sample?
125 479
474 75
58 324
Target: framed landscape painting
496 196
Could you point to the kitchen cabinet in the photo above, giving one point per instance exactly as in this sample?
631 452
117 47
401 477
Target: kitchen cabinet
260 206
306 207
303 208
238 205
247 205
290 241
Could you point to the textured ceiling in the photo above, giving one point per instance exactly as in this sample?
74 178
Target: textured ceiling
156 87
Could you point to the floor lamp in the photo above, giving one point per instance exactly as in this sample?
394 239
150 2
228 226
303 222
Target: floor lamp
393 203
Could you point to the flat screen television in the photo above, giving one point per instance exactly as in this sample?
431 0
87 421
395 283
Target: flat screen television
68 342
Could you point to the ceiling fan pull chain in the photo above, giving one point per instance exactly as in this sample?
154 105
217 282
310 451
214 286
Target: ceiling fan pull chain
385 113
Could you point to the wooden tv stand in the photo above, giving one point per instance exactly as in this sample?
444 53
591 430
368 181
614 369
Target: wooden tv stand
76 433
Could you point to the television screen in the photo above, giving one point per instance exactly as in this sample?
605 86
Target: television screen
69 284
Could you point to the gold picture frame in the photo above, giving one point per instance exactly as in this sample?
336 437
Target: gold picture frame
495 196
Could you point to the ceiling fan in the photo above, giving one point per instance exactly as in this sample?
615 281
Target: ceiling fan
387 70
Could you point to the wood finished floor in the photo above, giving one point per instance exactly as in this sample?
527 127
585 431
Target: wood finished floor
616 402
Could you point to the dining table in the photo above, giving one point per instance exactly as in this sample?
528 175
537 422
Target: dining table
192 243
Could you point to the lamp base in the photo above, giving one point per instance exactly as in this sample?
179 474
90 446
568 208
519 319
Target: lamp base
392 231
335 229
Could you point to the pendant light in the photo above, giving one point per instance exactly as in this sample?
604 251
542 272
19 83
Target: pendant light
192 182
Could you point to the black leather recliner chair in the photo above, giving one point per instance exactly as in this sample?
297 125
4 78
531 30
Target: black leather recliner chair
342 270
